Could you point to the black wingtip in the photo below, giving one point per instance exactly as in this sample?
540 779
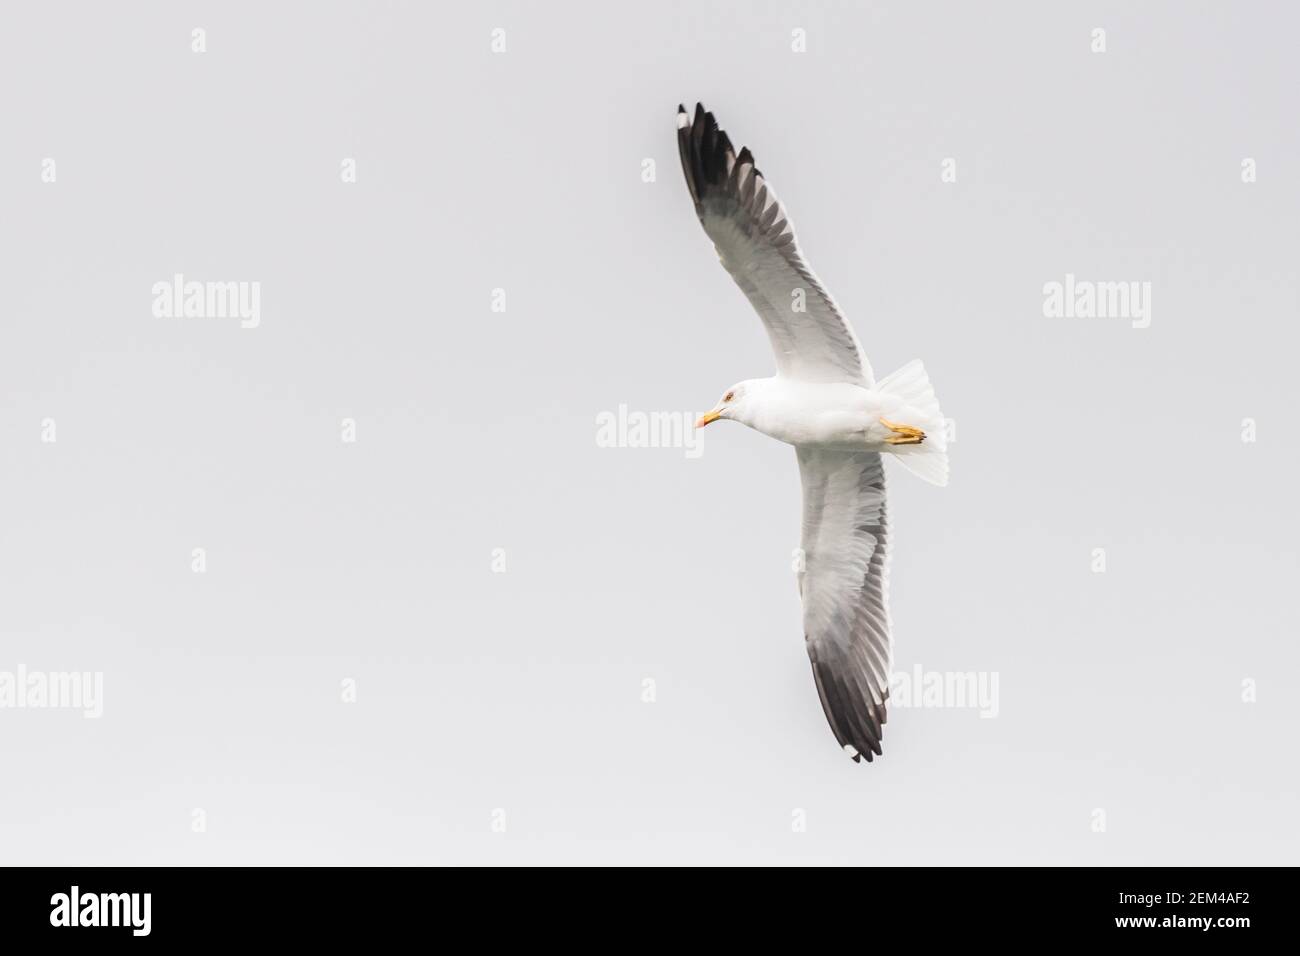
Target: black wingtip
854 718
706 152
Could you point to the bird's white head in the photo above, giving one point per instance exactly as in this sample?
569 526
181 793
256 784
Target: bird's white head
736 404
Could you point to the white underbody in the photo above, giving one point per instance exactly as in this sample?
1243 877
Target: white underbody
834 415
846 416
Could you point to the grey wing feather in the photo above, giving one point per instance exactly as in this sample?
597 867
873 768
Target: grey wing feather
844 590
756 244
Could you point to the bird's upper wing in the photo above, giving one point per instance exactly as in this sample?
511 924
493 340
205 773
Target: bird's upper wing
755 241
843 586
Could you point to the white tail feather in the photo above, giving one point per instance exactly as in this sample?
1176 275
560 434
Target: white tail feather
910 401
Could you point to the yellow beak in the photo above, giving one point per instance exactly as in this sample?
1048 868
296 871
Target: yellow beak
707 418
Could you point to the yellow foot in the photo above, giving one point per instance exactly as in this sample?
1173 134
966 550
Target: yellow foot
903 434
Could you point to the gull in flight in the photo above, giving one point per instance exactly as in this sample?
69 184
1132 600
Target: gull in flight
825 402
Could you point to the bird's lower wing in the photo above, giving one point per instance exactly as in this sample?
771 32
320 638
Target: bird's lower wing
843 587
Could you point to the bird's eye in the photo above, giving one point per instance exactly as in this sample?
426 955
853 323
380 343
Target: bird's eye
729 396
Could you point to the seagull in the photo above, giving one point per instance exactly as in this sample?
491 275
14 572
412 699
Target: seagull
825 402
